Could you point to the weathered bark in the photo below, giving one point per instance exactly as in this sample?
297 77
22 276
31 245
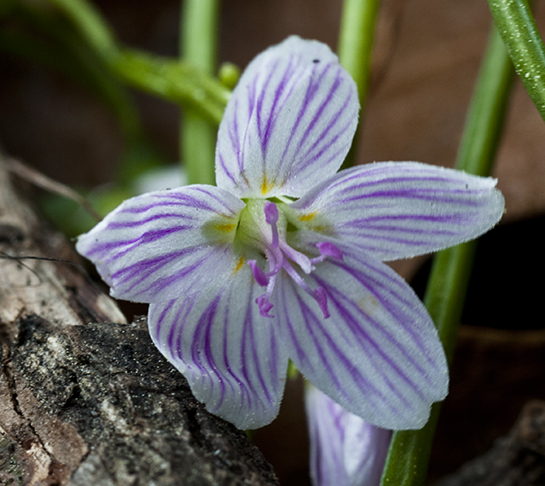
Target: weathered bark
515 460
84 401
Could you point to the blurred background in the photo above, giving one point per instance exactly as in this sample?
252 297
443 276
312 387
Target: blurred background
425 62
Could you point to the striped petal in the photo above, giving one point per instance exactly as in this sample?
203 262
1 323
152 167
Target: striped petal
378 355
166 244
400 209
229 354
344 449
289 123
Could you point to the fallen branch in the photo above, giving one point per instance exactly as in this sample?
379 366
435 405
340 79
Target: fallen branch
85 398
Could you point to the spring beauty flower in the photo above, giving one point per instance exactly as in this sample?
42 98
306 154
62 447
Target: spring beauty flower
345 450
283 259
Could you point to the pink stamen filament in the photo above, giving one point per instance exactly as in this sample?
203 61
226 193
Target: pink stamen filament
327 249
318 294
278 254
258 274
302 260
275 257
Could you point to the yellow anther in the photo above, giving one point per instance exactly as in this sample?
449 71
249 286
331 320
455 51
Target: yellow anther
307 217
265 187
239 265
225 227
322 228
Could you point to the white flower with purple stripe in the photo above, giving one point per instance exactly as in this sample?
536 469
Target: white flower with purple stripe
283 258
345 450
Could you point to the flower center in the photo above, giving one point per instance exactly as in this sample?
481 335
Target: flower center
281 256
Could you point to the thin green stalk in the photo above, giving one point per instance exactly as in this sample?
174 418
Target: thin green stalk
408 457
198 41
355 45
519 32
91 24
356 41
170 79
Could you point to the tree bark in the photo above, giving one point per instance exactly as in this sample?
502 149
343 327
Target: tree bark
85 398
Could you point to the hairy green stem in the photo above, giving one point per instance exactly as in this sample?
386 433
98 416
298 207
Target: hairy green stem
198 41
409 452
518 30
355 46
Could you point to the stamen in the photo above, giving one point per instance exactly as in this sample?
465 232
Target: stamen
329 249
275 258
258 274
278 254
264 305
302 260
318 295
264 301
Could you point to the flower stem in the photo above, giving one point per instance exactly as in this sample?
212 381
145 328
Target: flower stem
198 40
518 30
91 25
166 78
408 457
172 80
355 46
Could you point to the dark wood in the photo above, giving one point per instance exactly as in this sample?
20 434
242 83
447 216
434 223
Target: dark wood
85 398
515 460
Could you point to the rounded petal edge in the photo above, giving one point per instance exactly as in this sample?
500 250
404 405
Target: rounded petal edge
398 210
378 354
230 355
165 244
289 123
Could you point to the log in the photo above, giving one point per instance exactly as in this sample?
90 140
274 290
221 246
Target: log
85 398
517 459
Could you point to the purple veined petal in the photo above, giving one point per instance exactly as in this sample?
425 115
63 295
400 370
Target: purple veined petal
326 428
289 123
400 209
166 244
229 354
378 355
344 449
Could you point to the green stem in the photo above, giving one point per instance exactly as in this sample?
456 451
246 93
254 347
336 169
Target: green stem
172 80
91 25
355 46
356 41
408 457
198 40
166 78
518 30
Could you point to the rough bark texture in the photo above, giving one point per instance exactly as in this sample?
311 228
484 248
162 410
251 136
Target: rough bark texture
516 460
84 401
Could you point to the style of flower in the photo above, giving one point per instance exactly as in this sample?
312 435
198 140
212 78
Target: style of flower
283 258
345 450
